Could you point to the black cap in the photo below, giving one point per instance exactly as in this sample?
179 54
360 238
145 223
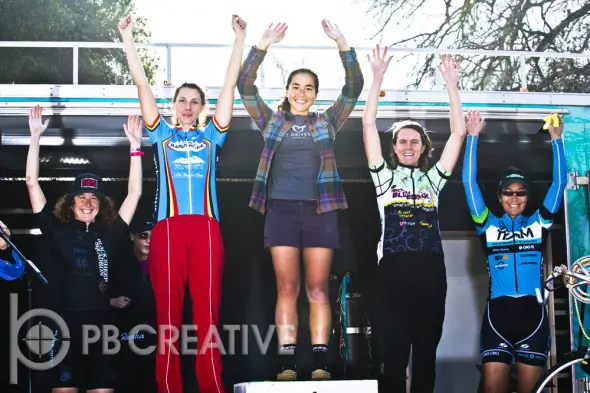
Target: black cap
514 175
87 182
141 225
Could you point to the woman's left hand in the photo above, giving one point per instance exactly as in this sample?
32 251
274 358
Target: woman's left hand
332 30
449 68
134 131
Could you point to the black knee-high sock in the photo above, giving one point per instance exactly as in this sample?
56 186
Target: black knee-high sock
320 356
287 356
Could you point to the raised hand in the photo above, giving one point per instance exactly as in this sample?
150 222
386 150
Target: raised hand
474 123
272 35
556 132
134 130
239 26
380 61
4 228
332 30
35 121
126 27
449 68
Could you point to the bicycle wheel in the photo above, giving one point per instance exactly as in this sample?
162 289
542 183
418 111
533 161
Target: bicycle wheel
553 371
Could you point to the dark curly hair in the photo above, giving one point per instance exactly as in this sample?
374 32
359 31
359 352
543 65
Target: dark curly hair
107 213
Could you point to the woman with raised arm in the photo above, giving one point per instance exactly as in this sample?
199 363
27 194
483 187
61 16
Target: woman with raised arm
186 243
84 231
515 328
298 187
408 314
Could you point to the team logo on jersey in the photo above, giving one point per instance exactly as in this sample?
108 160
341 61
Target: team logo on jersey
524 233
422 196
193 146
192 160
501 265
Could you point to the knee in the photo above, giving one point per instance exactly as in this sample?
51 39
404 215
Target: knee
317 292
288 290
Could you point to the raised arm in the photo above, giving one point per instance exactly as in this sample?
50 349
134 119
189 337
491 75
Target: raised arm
554 195
37 127
4 228
475 201
225 101
147 101
449 68
133 130
339 111
254 104
379 63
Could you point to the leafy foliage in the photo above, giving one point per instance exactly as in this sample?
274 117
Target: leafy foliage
66 20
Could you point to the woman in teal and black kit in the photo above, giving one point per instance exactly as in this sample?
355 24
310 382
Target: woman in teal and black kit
514 325
298 187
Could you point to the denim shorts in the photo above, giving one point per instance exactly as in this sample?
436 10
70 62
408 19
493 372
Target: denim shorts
297 224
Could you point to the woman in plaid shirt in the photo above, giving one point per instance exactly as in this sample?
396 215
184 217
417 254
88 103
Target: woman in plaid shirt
298 187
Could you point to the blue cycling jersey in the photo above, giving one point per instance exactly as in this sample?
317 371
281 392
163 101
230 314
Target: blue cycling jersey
513 247
185 168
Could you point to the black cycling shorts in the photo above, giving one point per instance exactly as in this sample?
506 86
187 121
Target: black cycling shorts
515 330
83 366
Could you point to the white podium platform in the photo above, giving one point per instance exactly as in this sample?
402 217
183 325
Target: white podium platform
359 386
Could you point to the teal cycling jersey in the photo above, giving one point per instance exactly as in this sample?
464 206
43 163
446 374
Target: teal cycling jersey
513 247
185 168
408 206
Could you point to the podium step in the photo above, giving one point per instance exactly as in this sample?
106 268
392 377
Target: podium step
360 386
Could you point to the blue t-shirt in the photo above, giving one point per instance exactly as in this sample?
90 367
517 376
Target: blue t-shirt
185 168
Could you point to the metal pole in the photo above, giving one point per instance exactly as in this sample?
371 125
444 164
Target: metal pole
75 64
523 73
169 63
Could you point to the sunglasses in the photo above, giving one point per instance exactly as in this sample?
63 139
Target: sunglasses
511 193
144 235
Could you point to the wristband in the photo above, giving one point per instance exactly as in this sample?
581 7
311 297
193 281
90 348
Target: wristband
136 153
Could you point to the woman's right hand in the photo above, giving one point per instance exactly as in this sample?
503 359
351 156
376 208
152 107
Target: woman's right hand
36 126
474 123
272 35
379 62
126 27
3 244
120 302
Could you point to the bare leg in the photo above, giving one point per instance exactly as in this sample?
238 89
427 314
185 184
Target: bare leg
286 265
318 262
496 377
528 376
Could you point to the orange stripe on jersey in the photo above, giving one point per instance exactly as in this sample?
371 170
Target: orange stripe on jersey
172 205
151 127
207 208
219 127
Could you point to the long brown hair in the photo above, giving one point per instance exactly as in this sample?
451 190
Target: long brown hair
107 212
423 160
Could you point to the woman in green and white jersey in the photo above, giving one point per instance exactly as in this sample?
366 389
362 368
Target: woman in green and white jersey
407 315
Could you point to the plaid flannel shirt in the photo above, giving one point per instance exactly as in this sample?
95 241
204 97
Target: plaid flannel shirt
323 127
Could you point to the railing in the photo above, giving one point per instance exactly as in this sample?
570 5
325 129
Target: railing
76 46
